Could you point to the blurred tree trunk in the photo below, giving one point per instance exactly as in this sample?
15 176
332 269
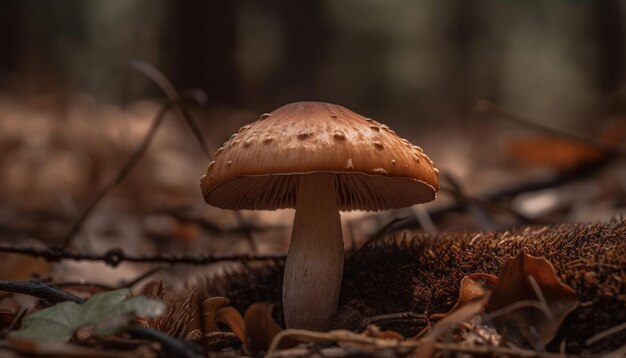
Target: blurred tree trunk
460 83
202 45
10 24
609 25
306 40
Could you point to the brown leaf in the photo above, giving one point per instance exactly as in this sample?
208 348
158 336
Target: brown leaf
553 152
474 287
529 297
209 311
261 327
232 318
453 319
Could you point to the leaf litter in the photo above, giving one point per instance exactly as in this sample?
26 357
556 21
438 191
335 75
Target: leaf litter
61 321
582 274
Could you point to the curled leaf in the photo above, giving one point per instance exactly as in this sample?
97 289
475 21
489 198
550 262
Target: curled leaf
209 311
474 287
530 298
452 319
261 327
526 299
216 310
232 318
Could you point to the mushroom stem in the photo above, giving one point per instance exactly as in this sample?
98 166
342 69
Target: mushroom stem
314 264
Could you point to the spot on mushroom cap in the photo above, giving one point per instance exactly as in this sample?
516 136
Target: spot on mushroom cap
309 137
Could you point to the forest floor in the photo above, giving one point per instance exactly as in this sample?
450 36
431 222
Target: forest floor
108 249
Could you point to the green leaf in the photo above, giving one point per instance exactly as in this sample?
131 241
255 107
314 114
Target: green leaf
59 322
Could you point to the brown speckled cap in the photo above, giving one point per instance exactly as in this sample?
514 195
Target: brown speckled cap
376 169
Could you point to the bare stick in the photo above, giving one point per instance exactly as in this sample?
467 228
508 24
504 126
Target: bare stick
126 168
40 289
477 212
487 107
116 256
606 333
174 97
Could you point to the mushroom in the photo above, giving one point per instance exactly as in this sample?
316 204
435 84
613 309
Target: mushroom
318 158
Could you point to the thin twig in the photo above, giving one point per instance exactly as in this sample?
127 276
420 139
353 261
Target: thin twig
383 230
606 333
487 107
392 317
423 219
121 175
506 192
142 277
517 305
344 336
492 351
17 319
82 284
540 296
174 97
215 229
116 256
175 100
246 226
475 209
103 287
40 289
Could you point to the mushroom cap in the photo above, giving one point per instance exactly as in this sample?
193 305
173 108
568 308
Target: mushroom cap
257 168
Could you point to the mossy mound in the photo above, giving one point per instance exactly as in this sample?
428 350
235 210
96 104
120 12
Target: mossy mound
422 273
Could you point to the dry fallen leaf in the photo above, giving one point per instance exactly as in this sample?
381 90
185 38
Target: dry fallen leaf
474 287
530 298
216 310
232 318
452 320
261 327
553 152
527 298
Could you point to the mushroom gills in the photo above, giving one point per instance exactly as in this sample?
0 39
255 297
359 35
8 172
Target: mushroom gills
314 265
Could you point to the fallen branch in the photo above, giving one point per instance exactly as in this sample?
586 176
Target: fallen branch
114 257
40 289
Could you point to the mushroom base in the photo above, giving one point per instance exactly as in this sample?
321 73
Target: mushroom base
314 265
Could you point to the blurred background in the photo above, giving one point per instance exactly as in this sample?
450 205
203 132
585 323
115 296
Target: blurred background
72 113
